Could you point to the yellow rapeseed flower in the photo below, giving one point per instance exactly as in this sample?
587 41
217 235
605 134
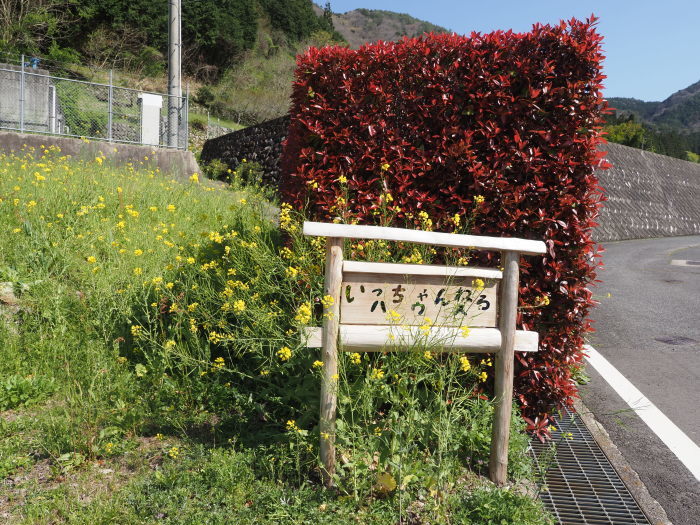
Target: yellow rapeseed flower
303 315
355 358
317 364
239 305
427 324
393 316
327 301
284 353
464 364
92 259
286 221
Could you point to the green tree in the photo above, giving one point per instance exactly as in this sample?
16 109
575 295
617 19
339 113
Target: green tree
630 133
296 18
30 26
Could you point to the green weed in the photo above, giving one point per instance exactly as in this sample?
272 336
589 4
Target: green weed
170 314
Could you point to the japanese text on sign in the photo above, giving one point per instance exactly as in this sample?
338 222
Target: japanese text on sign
387 299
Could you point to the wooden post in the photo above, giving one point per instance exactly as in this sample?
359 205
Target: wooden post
329 356
498 462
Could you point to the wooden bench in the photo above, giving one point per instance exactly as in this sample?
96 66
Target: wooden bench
387 307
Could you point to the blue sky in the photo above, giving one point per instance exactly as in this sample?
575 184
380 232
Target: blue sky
652 47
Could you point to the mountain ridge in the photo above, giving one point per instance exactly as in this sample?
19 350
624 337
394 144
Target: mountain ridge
360 26
680 111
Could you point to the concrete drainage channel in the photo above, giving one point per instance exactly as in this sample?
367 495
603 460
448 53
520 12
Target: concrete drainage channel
581 485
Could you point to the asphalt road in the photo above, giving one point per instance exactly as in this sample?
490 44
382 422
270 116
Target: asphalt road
649 329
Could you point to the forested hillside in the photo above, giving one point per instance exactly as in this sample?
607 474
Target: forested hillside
670 127
134 33
239 56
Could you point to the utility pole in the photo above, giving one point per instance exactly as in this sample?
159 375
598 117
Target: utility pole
174 70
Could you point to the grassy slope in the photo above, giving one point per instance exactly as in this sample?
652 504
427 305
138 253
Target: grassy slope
143 374
259 88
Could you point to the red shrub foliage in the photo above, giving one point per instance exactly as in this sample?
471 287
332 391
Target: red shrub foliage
438 120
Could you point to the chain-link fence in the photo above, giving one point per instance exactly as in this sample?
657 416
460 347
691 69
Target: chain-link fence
34 101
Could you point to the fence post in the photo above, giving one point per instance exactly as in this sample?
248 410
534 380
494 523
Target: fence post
187 117
503 387
110 109
329 355
21 95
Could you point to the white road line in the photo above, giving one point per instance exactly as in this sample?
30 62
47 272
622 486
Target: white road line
684 262
673 437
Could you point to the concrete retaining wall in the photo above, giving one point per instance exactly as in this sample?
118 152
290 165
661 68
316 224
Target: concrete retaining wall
177 163
649 195
37 98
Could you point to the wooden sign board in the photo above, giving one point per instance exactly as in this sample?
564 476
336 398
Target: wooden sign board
369 301
385 299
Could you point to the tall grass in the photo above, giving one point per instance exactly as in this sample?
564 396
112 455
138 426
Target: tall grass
159 325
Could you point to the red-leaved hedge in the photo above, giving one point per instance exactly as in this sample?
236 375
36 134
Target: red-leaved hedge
438 120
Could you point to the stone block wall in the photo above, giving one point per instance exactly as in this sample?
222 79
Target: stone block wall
261 144
649 195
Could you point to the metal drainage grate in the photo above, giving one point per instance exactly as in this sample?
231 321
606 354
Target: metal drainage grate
581 486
